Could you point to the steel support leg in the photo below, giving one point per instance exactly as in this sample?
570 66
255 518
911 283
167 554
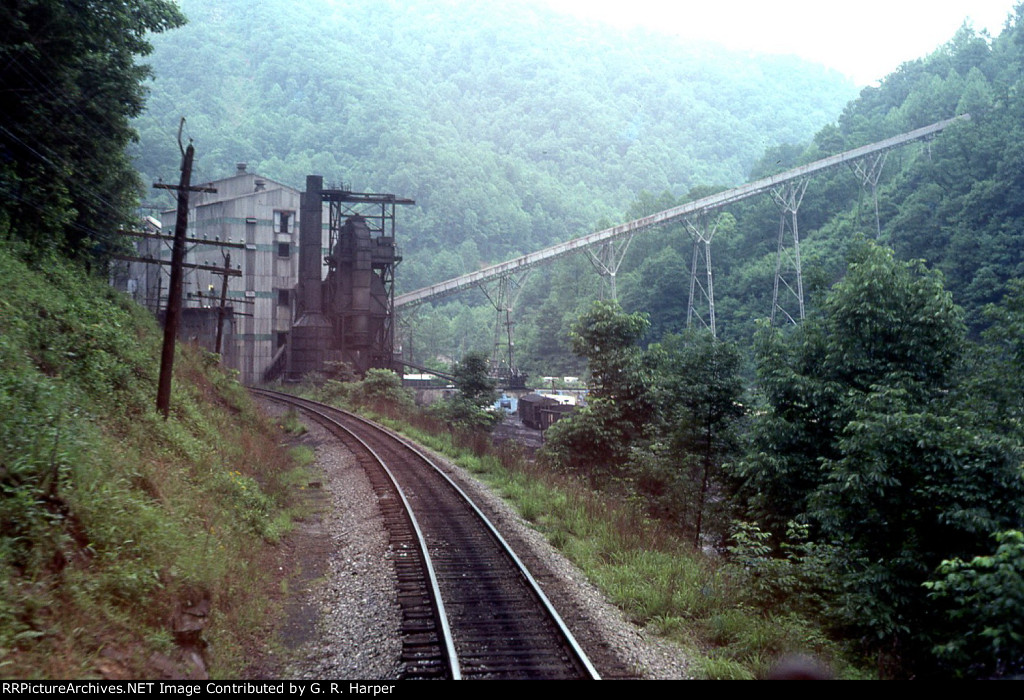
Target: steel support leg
702 287
788 273
504 299
869 170
608 260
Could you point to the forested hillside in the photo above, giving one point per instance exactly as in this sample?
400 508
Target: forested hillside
514 127
510 125
870 476
957 202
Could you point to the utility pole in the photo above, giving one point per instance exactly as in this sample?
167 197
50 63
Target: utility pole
223 301
173 317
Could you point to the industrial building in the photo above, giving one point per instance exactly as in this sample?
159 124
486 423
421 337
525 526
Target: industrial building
302 300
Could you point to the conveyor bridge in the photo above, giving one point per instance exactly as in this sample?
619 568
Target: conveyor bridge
690 210
787 190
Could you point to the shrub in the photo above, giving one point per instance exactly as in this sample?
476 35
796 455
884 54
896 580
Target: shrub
985 603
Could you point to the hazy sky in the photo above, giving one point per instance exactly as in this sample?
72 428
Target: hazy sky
865 40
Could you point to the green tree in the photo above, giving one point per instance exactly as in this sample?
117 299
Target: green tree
381 389
984 599
70 86
696 393
607 337
595 440
869 435
473 381
476 392
998 378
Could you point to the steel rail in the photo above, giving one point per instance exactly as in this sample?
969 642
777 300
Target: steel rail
545 602
712 202
449 642
534 586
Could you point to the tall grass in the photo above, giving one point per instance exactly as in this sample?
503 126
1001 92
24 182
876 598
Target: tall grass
112 520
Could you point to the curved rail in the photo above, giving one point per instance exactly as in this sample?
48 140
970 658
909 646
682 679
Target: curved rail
578 657
538 591
435 592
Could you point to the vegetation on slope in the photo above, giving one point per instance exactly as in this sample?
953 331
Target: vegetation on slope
955 202
512 126
861 481
127 542
114 521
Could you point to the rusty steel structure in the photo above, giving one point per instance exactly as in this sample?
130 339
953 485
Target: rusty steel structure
347 317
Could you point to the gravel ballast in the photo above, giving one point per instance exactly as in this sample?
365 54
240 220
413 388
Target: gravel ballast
342 619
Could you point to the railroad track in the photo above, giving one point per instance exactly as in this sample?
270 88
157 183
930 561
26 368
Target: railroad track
470 608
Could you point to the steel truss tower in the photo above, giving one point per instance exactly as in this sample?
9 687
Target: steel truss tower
869 170
608 259
702 231
503 298
788 273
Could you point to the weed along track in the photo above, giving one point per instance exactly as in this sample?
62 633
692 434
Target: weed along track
470 608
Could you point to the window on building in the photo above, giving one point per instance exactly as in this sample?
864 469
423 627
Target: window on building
283 221
284 250
284 297
282 338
